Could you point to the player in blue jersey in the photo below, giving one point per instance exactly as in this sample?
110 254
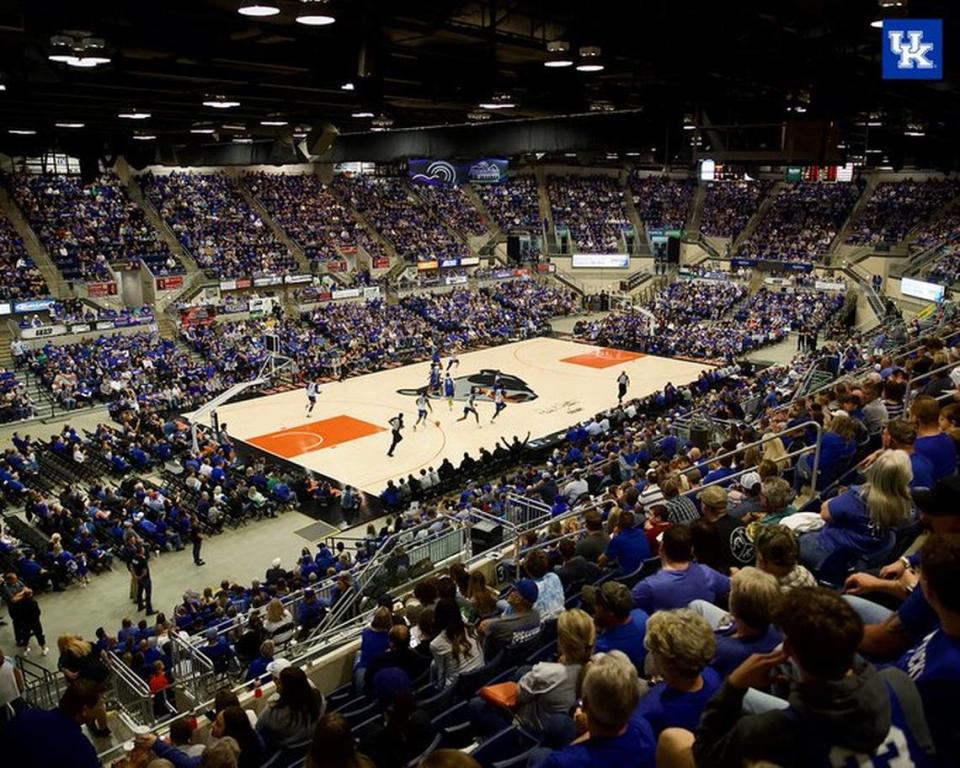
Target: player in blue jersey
435 378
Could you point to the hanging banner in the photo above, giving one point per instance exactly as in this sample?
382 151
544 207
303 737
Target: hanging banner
101 289
170 283
447 174
381 262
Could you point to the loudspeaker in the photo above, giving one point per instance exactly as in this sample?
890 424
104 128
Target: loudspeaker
513 248
89 168
484 535
318 140
673 250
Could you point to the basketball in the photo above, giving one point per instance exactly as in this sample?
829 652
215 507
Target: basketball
436 423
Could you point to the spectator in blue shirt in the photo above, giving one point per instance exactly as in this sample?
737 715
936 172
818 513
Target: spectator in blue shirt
680 643
611 690
858 520
621 626
54 738
901 435
258 667
679 580
931 442
628 548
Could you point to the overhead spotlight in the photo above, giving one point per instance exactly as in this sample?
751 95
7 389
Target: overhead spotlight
478 116
590 59
144 136
558 55
602 105
220 102
314 13
381 122
242 140
914 129
79 50
258 8
633 154
3 87
361 114
133 114
347 87
273 121
234 127
68 125
21 132
499 101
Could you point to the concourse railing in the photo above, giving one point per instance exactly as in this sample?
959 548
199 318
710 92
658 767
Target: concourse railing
131 693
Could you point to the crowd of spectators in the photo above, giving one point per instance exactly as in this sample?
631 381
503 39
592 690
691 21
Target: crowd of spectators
945 269
705 328
15 401
455 207
513 204
86 228
592 209
942 230
20 276
309 212
213 221
728 206
801 223
388 205
662 203
896 207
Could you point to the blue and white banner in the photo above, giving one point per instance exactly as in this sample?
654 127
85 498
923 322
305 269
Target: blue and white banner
447 174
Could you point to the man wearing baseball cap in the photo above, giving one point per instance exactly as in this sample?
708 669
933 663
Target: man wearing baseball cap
887 633
750 500
736 549
522 624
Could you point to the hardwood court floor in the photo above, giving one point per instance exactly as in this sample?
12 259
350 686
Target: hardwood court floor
550 385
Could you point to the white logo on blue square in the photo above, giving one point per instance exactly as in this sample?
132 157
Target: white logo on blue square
912 49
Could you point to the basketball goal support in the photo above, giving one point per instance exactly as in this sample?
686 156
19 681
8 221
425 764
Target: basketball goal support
206 413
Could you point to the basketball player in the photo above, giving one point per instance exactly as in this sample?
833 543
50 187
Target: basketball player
396 425
449 388
623 381
499 402
423 403
313 389
471 406
435 378
453 361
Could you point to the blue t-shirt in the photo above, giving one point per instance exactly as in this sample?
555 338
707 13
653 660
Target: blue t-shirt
941 450
629 548
934 666
721 473
916 616
664 707
636 747
851 527
666 590
372 644
924 473
628 638
47 739
733 651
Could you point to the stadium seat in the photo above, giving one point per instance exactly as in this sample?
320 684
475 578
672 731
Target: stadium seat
510 747
647 568
430 748
470 682
454 726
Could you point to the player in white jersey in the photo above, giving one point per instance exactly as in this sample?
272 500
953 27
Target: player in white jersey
623 381
313 389
453 361
423 403
470 406
499 402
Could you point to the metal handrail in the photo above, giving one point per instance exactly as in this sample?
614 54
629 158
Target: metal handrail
927 375
131 691
42 688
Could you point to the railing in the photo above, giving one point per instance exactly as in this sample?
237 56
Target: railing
523 512
912 383
131 692
42 688
193 671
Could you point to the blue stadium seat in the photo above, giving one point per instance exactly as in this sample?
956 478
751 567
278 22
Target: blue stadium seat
454 726
509 747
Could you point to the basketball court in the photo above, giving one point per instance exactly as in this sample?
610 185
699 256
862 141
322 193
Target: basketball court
550 384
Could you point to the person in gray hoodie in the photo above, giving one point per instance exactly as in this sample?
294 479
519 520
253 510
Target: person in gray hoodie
839 711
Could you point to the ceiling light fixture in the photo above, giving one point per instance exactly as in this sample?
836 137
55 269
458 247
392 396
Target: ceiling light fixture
314 13
3 87
478 116
133 114
234 127
68 125
200 128
590 59
144 137
381 122
22 131
242 140
273 122
220 102
914 129
258 8
499 101
347 87
361 114
78 50
558 55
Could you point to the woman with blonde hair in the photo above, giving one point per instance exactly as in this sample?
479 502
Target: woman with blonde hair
860 520
775 451
483 600
80 661
551 687
278 623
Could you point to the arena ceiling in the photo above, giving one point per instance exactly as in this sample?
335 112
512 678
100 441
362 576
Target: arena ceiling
741 68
